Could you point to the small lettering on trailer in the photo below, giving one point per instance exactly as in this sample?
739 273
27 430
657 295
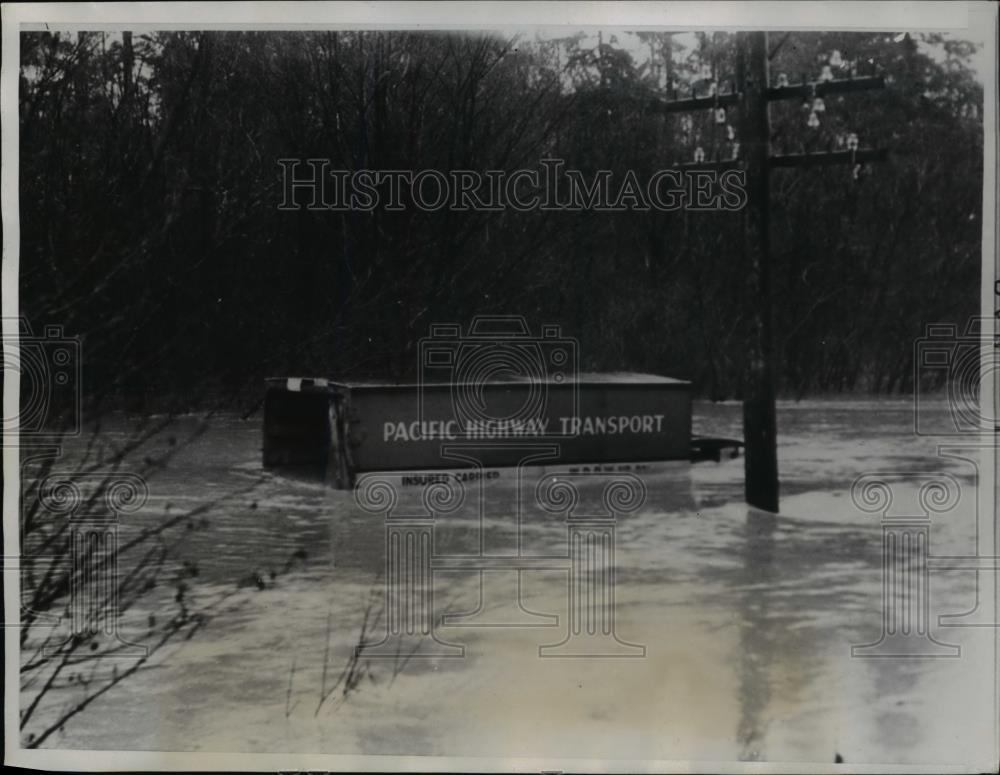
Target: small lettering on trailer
422 480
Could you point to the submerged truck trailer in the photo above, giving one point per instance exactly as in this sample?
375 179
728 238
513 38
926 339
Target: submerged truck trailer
341 429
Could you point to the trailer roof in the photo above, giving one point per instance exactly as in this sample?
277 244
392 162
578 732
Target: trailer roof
586 378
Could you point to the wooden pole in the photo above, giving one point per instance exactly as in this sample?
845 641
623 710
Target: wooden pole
759 425
752 95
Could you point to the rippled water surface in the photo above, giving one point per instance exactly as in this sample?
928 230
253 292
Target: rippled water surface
743 622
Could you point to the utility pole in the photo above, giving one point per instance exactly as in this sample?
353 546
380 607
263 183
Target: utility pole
760 432
752 94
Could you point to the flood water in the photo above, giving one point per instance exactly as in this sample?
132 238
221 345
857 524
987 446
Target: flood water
733 629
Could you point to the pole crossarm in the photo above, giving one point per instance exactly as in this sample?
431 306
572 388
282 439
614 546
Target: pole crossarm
796 91
705 166
827 158
824 88
695 103
819 159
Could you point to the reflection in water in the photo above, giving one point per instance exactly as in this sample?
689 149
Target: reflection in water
898 727
756 651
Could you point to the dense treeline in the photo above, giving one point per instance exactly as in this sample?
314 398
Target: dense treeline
150 189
